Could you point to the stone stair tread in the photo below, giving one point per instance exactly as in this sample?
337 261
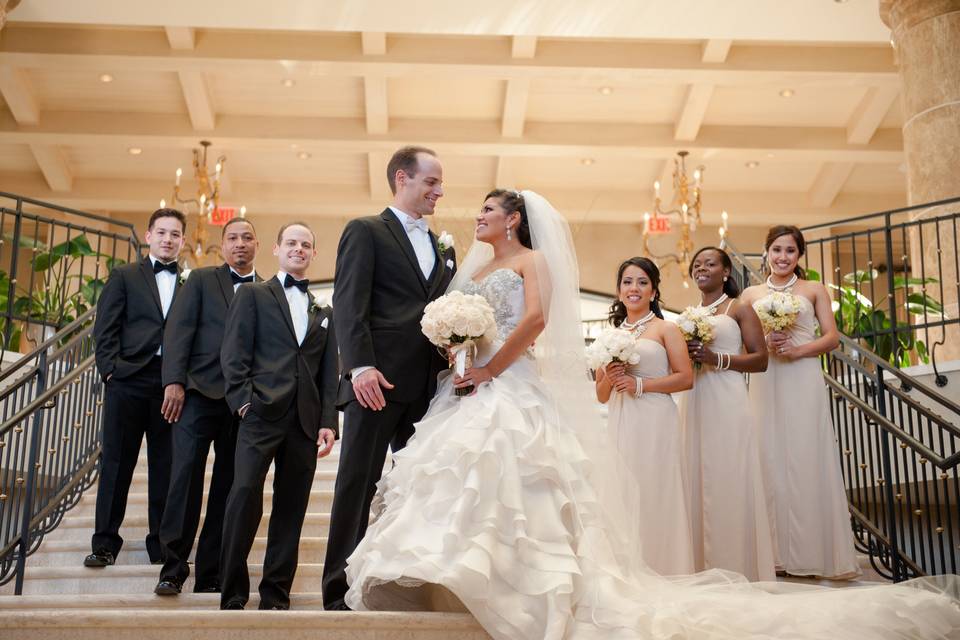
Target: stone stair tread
90 497
83 546
78 571
186 600
140 520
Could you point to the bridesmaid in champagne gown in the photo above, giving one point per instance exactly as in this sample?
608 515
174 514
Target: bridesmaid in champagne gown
645 419
731 525
798 445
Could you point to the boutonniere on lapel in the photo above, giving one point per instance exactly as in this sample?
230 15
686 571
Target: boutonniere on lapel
184 274
314 305
444 242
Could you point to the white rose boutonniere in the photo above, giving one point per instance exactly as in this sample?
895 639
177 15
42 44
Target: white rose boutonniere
184 274
444 241
314 305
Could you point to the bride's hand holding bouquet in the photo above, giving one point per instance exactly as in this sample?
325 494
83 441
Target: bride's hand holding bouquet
457 322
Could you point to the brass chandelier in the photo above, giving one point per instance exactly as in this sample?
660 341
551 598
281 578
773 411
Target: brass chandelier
205 204
684 207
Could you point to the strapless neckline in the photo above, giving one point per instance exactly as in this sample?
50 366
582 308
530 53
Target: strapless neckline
484 278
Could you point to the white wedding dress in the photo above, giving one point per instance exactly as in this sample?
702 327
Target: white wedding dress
491 501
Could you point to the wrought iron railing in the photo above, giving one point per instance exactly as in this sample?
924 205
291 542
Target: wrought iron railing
899 449
56 261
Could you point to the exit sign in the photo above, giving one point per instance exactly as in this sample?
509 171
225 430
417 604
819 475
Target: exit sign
222 215
658 225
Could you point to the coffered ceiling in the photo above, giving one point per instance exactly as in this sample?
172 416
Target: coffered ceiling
792 106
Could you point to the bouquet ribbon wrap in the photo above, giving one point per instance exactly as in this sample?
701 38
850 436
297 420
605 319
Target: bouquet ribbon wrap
462 358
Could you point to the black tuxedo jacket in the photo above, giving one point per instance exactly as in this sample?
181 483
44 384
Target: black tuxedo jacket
129 323
379 294
194 331
263 364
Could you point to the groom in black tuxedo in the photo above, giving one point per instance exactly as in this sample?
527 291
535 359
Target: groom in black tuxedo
388 268
194 403
279 359
131 313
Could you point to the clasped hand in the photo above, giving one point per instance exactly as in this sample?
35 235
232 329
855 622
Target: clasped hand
473 376
779 344
620 380
699 352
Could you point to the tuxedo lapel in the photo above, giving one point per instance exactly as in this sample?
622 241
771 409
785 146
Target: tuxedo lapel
277 290
439 266
400 235
225 282
314 317
146 269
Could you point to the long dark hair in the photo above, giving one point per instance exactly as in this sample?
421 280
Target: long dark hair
513 201
730 286
786 230
618 310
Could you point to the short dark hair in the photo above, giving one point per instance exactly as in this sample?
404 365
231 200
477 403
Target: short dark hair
295 223
405 159
233 221
167 212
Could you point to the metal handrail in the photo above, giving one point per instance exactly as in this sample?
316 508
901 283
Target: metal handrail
879 214
83 214
87 316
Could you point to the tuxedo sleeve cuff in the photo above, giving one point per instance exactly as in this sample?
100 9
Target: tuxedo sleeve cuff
357 371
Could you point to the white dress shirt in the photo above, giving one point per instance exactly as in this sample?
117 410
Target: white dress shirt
299 307
420 239
166 283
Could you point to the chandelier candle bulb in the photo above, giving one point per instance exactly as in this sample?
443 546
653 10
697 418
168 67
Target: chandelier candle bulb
656 189
243 212
179 173
163 203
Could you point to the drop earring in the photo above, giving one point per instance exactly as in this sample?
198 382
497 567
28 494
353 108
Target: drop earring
509 235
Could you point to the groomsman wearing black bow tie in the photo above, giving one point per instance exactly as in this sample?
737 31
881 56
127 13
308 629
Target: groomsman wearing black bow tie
279 360
131 313
194 402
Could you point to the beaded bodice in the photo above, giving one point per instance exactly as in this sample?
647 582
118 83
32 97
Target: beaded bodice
503 289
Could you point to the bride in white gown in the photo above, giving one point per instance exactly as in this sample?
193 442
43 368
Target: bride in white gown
508 499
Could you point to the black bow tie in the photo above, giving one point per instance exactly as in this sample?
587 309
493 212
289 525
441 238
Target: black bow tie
238 279
290 281
169 266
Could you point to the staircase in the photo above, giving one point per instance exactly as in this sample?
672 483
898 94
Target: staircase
62 598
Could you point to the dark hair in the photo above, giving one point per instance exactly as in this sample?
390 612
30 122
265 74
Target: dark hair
167 212
295 223
618 310
785 230
513 201
405 159
233 221
730 286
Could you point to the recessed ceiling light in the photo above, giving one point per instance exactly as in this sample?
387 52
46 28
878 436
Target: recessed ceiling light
753 164
303 155
771 155
605 91
289 82
105 78
840 1
586 162
134 151
786 93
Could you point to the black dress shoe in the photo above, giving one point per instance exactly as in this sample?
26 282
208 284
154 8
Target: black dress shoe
338 606
168 587
99 558
233 605
210 587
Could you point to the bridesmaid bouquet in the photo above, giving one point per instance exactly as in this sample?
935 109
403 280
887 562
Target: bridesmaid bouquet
613 345
456 322
777 311
695 324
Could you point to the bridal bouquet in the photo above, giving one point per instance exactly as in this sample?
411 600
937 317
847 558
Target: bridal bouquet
457 321
613 345
777 311
695 324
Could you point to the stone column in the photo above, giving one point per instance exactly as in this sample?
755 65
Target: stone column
926 36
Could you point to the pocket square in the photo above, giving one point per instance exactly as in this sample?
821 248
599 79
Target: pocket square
450 264
325 322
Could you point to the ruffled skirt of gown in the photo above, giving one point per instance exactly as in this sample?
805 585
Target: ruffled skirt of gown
490 502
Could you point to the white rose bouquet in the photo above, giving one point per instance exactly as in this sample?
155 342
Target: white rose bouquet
457 321
778 311
613 345
695 324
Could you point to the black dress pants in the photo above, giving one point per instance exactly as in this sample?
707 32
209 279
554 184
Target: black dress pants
294 455
204 421
131 410
363 448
